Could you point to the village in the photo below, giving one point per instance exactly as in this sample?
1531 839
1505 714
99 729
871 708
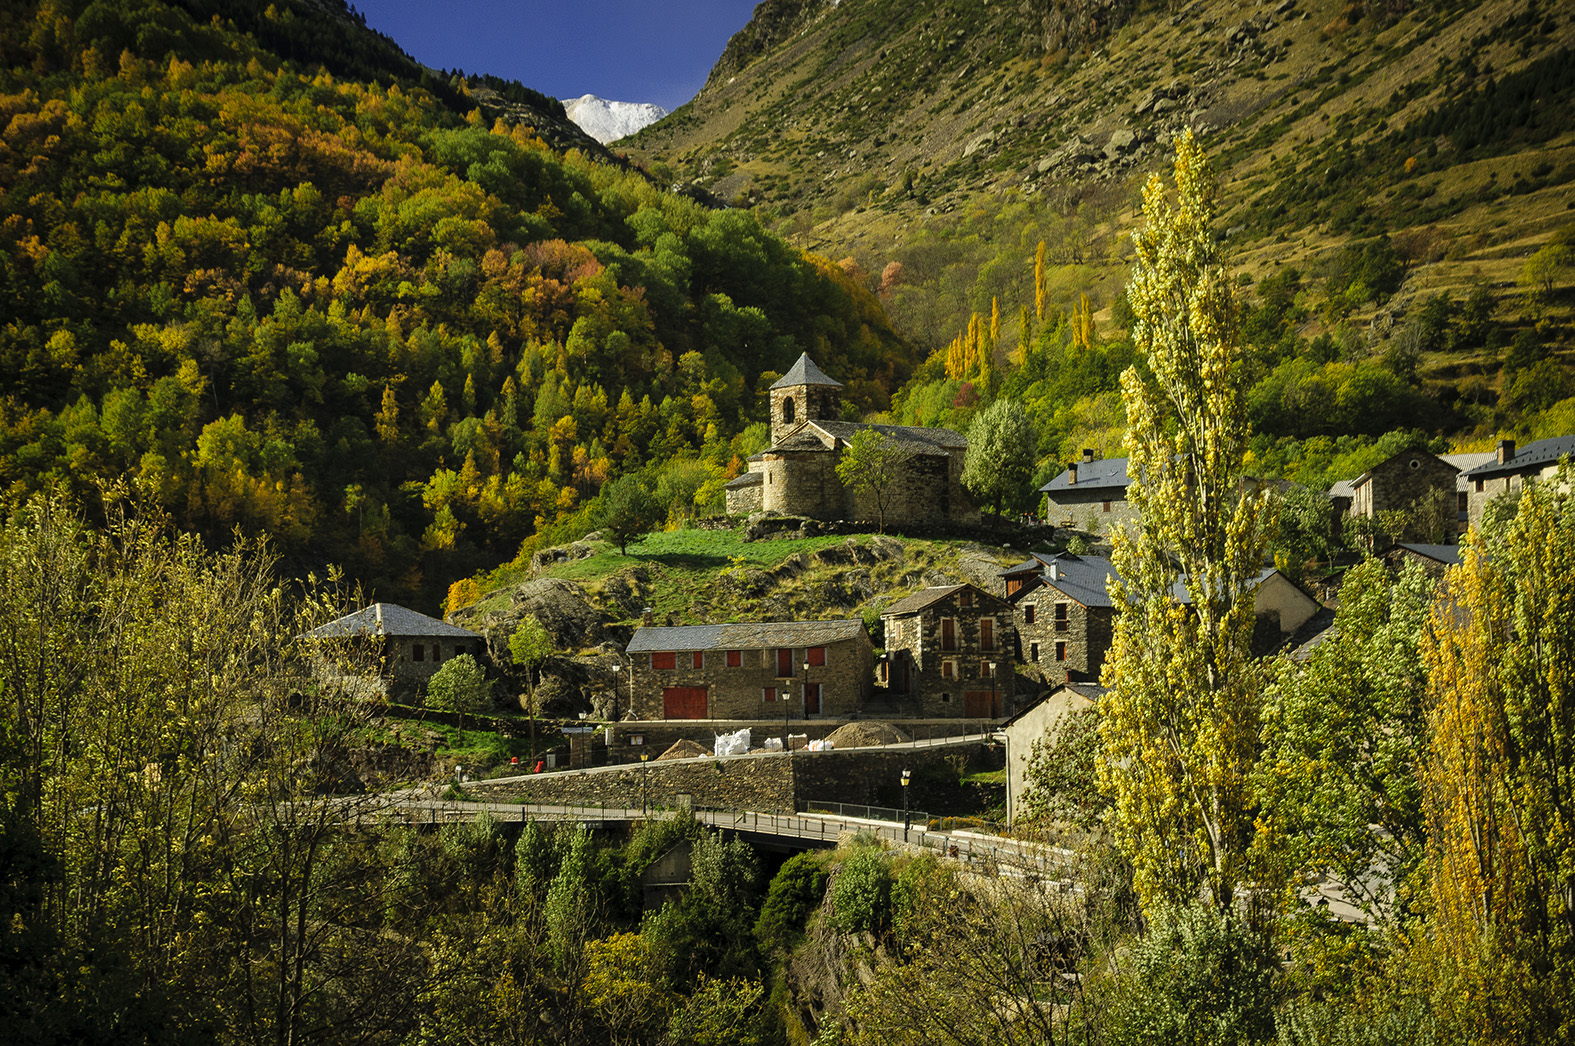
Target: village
989 662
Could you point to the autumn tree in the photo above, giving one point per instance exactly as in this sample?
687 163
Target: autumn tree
1180 722
1499 786
872 465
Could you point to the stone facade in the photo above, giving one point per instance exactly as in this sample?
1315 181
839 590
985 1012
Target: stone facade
1090 495
744 494
1400 482
412 646
752 671
1511 469
1062 638
940 644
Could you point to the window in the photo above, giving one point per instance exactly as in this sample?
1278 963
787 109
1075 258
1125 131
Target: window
699 659
667 660
1063 612
816 656
1033 652
987 633
437 652
948 634
784 662
787 409
946 699
987 670
1416 463
1107 506
1060 651
948 670
965 598
1028 614
735 659
1460 501
1481 484
418 652
769 694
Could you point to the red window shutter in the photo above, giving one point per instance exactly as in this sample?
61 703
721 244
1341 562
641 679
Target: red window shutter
735 659
699 659
667 660
784 662
986 634
817 656
769 694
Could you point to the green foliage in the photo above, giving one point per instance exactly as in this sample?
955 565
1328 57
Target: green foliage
461 685
1002 450
1063 773
861 892
872 465
1200 976
626 510
795 891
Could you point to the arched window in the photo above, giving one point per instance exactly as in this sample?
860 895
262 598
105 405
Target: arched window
787 410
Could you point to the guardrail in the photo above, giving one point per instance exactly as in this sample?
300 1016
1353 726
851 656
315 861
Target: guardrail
867 813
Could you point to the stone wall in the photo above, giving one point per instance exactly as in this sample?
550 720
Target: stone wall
408 675
1087 635
810 403
917 640
658 736
845 681
1099 513
1035 724
769 783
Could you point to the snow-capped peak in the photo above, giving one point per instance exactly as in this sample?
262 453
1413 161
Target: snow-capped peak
608 121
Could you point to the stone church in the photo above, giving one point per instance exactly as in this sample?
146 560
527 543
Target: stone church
797 474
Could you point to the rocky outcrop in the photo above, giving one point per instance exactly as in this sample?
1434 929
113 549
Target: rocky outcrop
774 21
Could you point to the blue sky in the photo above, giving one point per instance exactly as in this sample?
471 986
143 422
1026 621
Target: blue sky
624 50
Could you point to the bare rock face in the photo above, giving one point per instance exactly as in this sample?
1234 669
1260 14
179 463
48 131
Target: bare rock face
563 609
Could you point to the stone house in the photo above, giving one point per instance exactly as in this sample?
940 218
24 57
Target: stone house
1063 614
1465 463
1065 618
754 670
1035 723
950 653
797 474
1090 495
408 646
1511 469
1435 559
1402 481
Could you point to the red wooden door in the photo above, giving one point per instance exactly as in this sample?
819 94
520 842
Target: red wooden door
684 702
977 704
784 662
812 699
948 634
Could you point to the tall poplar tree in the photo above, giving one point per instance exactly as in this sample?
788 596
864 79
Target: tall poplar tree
1180 723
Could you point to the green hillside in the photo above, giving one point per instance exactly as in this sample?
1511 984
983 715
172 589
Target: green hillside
336 306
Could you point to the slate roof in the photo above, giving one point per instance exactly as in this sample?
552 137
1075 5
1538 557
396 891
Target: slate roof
389 619
804 372
746 635
1448 554
1533 456
1345 488
924 597
748 479
914 438
1105 473
1314 633
1465 463
1082 578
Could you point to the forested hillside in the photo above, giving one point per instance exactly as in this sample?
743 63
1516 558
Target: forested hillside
338 306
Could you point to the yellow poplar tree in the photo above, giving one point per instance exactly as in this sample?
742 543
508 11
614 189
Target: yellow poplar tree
1039 282
1181 720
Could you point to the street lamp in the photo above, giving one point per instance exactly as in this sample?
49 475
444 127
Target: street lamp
993 711
806 686
905 820
616 669
645 774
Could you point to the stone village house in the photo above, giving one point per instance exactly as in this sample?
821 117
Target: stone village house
754 670
411 646
1039 721
797 474
1511 470
1064 616
1090 495
950 653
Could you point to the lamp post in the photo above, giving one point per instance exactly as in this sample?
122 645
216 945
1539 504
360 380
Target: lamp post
806 685
905 819
993 712
645 774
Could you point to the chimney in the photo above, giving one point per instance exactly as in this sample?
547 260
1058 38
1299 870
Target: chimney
1088 455
646 618
1055 570
1071 477
1506 451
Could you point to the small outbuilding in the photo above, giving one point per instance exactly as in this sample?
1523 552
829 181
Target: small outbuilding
409 646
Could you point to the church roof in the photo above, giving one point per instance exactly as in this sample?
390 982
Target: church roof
804 372
912 437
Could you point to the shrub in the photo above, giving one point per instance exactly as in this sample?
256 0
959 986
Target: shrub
461 685
861 893
792 895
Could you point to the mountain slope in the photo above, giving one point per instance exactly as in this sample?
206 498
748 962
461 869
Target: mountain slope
937 144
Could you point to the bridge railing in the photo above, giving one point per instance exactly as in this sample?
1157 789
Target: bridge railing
856 811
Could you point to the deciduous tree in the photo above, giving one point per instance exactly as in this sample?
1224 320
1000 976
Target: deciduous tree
872 464
1180 722
1002 446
